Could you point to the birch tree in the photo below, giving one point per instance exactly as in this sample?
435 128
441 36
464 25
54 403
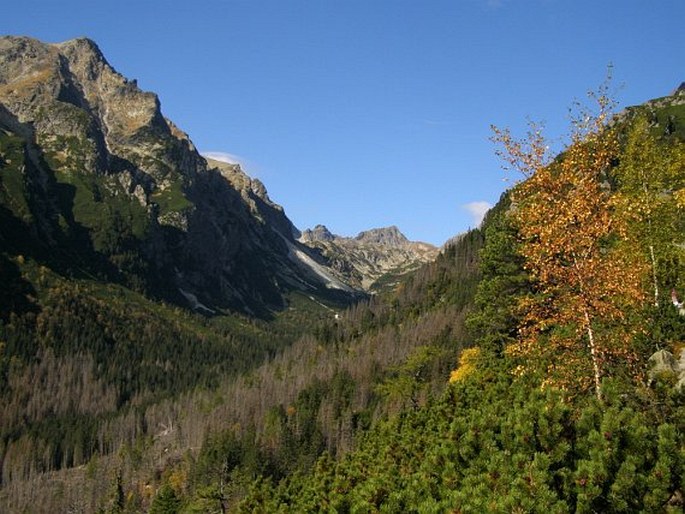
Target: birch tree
572 246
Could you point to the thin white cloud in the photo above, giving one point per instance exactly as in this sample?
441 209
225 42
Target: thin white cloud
224 157
477 211
248 166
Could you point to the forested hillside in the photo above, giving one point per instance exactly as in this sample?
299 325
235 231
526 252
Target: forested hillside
571 398
178 392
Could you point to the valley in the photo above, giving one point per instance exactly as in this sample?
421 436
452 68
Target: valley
171 342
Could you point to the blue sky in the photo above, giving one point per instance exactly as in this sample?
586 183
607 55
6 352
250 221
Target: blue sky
366 113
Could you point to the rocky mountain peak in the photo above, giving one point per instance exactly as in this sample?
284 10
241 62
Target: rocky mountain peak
318 233
69 95
387 236
82 48
374 259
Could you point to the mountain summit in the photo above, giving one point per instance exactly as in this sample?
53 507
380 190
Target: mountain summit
95 179
318 233
388 236
372 260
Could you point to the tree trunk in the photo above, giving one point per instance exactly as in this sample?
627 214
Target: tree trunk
656 284
593 354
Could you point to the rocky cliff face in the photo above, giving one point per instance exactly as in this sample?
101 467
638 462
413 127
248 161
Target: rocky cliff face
372 260
94 176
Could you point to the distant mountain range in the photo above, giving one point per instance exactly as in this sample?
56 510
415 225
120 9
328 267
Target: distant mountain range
371 261
96 180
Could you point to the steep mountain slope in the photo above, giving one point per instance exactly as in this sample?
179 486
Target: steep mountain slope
94 178
374 259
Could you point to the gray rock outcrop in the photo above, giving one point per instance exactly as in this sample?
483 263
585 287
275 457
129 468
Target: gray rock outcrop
664 363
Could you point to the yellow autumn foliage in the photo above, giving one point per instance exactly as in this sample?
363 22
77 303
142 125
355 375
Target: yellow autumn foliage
679 196
467 365
178 480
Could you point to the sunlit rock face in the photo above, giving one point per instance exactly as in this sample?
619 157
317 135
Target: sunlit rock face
374 259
